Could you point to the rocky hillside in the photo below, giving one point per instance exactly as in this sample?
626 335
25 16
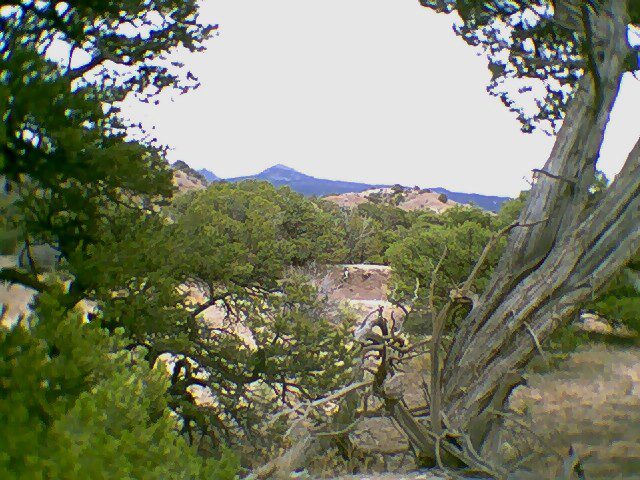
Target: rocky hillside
186 178
486 202
405 198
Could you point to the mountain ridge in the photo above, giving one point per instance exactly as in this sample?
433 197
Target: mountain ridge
487 202
208 175
282 175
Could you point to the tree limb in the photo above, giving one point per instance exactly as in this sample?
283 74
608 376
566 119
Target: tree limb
15 275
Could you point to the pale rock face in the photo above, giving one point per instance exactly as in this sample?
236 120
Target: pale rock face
186 178
187 183
16 299
410 199
364 289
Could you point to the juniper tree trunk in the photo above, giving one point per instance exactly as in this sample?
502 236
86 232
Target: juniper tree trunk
550 269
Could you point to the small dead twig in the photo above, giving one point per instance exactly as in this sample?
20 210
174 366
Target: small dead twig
573 465
522 461
432 286
536 342
537 172
472 452
366 319
436 339
338 433
305 409
436 390
412 348
438 440
466 452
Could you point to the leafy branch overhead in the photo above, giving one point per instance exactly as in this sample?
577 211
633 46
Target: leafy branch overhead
537 50
65 156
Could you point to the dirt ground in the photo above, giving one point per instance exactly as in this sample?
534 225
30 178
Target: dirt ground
364 288
358 282
591 401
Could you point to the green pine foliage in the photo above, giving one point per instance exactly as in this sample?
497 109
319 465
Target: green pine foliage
75 405
457 239
246 250
620 303
66 158
364 233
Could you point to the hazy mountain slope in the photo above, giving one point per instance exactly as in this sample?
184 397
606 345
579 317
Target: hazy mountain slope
281 175
488 202
209 175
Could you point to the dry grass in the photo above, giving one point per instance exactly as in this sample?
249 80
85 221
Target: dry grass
592 401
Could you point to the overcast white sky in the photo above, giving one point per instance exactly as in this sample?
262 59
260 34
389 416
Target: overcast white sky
380 91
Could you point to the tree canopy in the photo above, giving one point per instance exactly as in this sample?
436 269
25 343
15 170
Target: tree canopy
75 404
66 158
213 286
537 49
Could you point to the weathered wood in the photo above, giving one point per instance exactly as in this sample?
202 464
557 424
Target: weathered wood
303 449
550 269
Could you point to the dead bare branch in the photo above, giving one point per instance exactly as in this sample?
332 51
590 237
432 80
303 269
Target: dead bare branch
338 433
538 171
308 407
536 342
432 286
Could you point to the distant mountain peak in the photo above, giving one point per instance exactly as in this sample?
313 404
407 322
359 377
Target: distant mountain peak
281 173
209 175
280 167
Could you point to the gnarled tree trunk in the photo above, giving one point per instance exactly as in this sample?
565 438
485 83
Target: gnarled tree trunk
551 268
575 242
